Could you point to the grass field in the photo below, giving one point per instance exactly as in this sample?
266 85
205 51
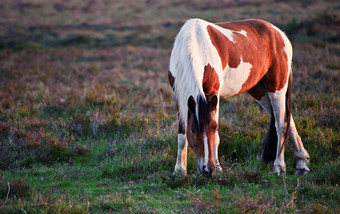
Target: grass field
88 124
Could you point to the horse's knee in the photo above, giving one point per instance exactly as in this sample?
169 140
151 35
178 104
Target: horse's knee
280 127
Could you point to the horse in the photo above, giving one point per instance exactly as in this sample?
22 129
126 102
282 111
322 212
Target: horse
210 61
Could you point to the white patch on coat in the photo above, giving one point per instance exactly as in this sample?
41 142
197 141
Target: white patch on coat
230 34
234 78
243 32
200 162
206 150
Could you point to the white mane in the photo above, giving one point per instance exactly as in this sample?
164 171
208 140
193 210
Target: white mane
192 51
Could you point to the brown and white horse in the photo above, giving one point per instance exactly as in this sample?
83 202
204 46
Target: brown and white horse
213 60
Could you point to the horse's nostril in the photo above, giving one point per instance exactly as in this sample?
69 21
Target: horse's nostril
206 172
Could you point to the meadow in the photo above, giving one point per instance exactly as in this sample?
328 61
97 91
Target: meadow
88 123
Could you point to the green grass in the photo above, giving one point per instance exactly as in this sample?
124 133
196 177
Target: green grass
88 125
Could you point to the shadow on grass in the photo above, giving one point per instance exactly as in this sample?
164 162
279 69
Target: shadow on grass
22 154
140 170
16 39
11 188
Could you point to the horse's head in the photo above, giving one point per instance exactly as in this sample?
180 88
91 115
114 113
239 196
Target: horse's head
201 131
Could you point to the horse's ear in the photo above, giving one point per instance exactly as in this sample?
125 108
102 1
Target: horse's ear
213 103
191 104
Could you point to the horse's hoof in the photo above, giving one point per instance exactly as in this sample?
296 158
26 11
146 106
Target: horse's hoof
179 173
218 168
278 170
301 172
274 173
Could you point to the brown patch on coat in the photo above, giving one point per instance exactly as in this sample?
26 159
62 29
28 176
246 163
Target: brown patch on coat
210 82
171 80
263 48
211 133
277 74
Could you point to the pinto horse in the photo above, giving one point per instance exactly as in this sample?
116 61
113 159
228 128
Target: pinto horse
213 60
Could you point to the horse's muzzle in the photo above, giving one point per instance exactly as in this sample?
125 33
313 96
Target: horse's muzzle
208 171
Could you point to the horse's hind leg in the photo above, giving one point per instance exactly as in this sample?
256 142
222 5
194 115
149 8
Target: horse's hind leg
182 150
278 103
274 104
269 146
301 155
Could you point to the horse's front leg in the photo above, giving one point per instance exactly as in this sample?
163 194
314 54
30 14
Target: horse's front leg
181 163
218 167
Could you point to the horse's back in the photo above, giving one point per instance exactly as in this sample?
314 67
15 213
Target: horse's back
241 52
261 50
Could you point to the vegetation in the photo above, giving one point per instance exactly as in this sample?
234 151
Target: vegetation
88 125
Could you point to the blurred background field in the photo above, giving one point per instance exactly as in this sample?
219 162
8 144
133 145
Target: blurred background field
88 124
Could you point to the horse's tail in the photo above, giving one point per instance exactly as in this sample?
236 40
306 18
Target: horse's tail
269 147
288 111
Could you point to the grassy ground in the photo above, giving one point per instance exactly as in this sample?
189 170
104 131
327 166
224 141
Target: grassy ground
87 122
